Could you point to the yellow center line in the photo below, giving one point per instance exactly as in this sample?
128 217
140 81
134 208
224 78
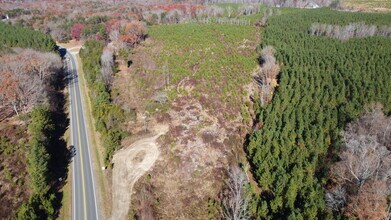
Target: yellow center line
81 156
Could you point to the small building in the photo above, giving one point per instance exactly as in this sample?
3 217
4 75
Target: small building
312 5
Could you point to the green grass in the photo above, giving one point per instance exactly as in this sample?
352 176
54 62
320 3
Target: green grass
220 58
369 5
252 18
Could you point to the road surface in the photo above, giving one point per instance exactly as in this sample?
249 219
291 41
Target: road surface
84 201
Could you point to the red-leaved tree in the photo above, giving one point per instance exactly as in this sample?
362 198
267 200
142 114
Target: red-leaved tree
133 32
76 31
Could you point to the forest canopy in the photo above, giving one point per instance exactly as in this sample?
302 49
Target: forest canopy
17 36
323 84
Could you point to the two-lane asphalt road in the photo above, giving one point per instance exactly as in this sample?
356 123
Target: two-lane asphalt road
84 201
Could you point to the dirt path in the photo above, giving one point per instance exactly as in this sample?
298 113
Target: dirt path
129 165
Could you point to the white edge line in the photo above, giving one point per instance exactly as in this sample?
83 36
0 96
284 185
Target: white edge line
88 143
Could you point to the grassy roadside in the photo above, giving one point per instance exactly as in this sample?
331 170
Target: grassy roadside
66 209
97 150
65 212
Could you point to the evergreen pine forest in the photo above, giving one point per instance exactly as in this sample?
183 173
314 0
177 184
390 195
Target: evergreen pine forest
323 84
18 36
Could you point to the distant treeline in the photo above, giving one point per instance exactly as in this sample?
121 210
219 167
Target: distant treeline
282 3
17 36
323 84
349 31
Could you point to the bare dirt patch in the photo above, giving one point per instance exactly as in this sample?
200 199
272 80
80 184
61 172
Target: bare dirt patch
130 164
73 45
195 153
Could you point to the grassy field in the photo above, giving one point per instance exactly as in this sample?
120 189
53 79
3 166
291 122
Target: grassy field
218 59
209 67
371 5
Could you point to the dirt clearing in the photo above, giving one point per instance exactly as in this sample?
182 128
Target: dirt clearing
130 164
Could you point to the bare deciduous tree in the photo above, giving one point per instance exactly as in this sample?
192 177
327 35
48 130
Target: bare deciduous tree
364 168
209 11
114 35
349 31
248 9
107 64
47 64
24 76
336 198
364 158
229 11
235 198
365 155
267 76
8 87
370 202
374 122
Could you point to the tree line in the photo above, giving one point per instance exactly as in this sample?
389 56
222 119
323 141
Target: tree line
349 31
273 3
108 116
30 84
18 36
41 202
323 84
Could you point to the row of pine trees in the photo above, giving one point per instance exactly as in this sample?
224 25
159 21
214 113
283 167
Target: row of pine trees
323 84
18 36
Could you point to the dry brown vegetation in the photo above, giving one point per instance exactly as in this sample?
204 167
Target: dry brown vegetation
266 78
24 76
365 6
205 130
361 177
131 163
14 188
196 152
